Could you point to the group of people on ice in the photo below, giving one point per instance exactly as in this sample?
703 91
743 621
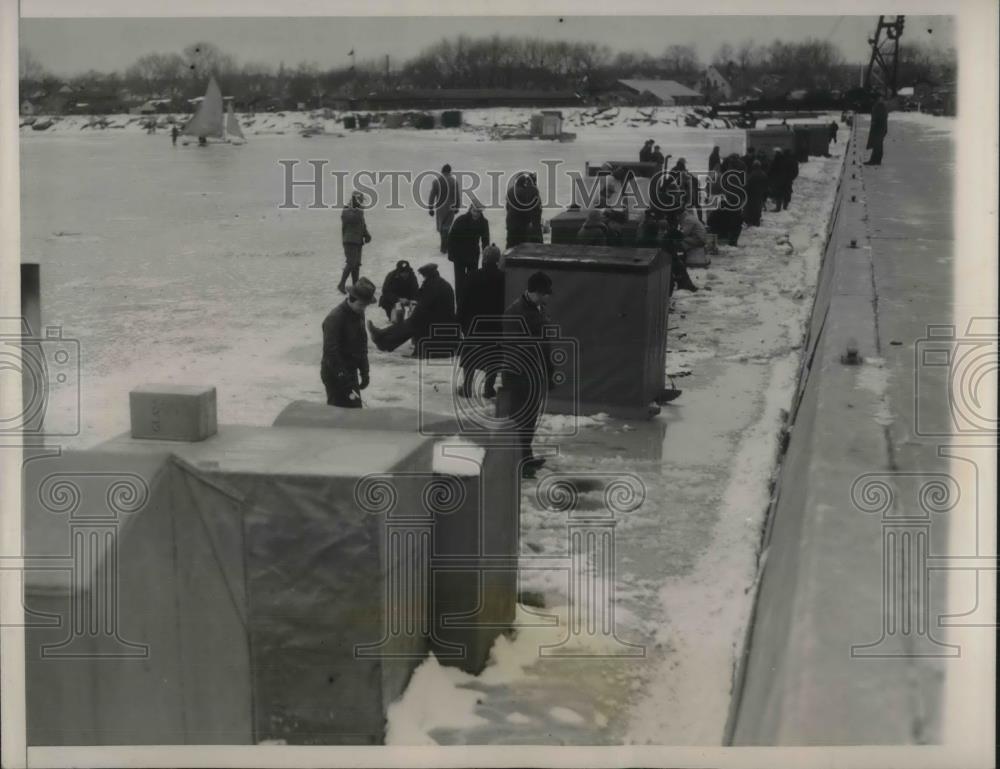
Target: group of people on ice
418 308
419 302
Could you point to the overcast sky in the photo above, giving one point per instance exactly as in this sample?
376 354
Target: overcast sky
70 46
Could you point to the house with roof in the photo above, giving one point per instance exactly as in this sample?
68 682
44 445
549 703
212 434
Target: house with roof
665 93
715 86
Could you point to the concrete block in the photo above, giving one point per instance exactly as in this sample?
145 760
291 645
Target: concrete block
173 412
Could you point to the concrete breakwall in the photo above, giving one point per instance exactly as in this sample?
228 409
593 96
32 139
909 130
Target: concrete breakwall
818 667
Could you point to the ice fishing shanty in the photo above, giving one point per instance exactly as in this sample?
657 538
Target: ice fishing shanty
261 583
620 339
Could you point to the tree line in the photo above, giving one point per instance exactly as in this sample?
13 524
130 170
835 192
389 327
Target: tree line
490 62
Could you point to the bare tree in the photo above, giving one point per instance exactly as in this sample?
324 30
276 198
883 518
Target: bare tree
205 59
29 68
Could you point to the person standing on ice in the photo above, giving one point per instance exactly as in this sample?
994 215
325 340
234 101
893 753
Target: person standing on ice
527 367
524 212
715 159
344 366
444 203
645 154
756 194
877 131
777 175
469 235
479 312
174 133
354 234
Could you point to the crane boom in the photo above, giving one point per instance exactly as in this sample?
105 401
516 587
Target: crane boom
883 64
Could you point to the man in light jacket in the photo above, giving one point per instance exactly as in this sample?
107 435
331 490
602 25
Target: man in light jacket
354 234
444 203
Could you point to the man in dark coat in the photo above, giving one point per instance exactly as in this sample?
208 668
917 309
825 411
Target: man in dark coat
656 156
527 366
877 131
833 131
479 312
729 189
646 152
354 234
435 309
715 159
444 203
757 186
400 283
469 235
524 212
344 366
777 177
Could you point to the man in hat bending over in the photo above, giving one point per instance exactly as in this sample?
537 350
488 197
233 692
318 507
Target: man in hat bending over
435 308
344 367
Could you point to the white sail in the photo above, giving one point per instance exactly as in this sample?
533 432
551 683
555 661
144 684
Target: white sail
233 130
207 120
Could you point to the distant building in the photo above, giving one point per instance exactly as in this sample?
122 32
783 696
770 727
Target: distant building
663 92
715 86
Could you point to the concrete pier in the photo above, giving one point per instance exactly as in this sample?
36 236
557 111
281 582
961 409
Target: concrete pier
847 643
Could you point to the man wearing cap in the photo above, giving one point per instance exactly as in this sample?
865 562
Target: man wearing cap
435 309
344 367
469 234
354 234
400 283
527 369
646 151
